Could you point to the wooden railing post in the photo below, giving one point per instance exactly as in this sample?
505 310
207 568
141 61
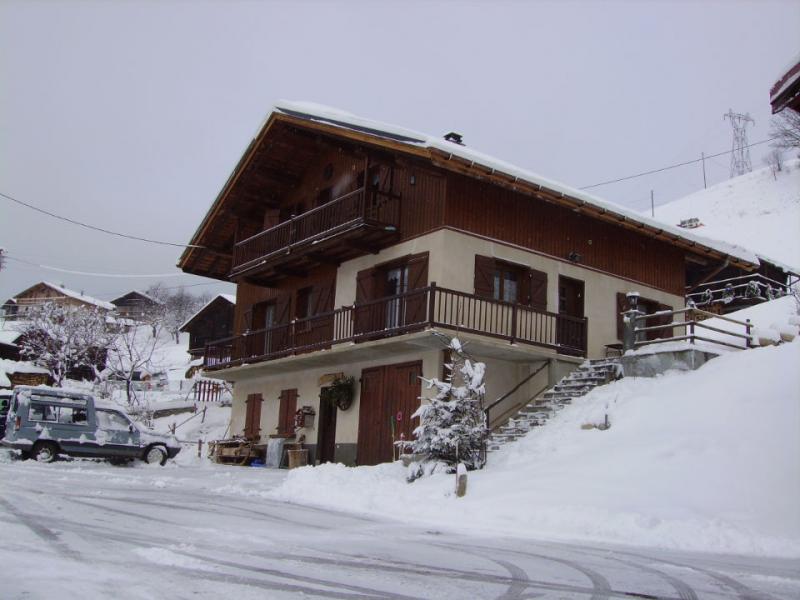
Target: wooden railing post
692 316
431 302
292 229
748 328
513 323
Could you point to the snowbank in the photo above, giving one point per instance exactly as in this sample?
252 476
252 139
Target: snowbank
707 460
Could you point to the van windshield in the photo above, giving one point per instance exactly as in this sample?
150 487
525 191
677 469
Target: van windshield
112 421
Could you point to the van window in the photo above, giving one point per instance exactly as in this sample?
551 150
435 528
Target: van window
67 414
42 412
112 421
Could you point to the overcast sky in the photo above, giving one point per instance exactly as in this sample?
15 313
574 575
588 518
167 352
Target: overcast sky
131 115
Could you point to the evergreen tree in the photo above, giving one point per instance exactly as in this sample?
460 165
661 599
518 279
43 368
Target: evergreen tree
453 425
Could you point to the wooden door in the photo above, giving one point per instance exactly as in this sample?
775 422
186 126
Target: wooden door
389 396
570 333
326 435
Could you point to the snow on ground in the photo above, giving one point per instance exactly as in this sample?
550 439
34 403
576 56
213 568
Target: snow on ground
707 460
86 530
759 211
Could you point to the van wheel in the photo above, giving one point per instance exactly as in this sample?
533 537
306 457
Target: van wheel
45 452
155 455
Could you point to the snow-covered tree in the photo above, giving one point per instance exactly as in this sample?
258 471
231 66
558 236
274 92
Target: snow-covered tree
177 306
132 352
453 425
786 130
60 337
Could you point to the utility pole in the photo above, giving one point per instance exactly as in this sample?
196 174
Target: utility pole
740 153
703 160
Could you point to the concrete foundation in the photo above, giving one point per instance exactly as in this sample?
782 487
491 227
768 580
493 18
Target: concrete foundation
651 365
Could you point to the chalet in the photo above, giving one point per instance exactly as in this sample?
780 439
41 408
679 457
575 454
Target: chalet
357 246
136 305
213 321
43 292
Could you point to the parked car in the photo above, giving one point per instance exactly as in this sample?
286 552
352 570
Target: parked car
44 422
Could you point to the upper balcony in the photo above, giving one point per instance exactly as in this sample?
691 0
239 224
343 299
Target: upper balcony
358 222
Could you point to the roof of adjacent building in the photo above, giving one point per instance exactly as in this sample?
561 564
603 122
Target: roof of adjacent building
139 294
785 93
68 293
230 298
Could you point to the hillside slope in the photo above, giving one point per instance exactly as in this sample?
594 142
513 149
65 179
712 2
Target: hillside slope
707 460
759 211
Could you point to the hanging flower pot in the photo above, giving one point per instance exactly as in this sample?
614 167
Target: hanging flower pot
340 392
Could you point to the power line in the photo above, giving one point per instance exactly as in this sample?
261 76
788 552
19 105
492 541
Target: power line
93 227
92 274
675 166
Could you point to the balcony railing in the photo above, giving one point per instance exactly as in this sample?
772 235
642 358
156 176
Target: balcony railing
361 207
432 306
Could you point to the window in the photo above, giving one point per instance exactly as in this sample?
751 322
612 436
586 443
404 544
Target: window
505 283
509 282
112 421
66 415
43 412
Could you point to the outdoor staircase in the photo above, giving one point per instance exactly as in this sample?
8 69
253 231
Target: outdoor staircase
541 409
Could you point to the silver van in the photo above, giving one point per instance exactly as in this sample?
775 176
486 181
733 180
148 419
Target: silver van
44 422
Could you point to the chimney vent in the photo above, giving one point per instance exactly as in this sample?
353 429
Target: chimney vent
454 137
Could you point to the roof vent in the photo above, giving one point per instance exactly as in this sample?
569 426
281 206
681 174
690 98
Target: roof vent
692 223
454 137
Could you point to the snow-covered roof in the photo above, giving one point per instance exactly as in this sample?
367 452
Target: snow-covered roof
231 298
331 116
9 337
71 294
138 293
16 366
758 210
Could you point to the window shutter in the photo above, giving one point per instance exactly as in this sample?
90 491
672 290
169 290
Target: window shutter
365 291
484 276
286 410
536 296
418 271
282 305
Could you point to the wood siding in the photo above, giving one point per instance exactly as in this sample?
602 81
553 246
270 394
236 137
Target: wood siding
530 223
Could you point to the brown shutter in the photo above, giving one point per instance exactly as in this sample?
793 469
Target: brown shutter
365 291
286 410
252 419
484 276
418 271
416 304
622 306
536 297
282 306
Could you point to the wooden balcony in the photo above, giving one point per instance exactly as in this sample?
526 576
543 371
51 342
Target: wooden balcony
358 222
428 307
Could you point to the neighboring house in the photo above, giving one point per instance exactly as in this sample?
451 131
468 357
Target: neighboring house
9 343
355 244
785 93
44 292
213 321
136 305
14 373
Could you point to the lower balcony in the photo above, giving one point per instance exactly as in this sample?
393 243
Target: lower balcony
411 311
